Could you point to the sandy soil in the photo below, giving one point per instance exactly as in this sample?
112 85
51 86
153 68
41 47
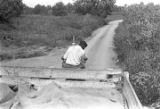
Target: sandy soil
101 56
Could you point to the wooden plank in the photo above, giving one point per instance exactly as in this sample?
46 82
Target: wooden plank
130 95
58 73
60 82
85 84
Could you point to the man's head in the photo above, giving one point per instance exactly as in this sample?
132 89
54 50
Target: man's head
83 44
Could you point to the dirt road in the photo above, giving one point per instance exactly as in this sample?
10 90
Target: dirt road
99 51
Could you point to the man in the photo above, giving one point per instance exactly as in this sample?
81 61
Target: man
75 56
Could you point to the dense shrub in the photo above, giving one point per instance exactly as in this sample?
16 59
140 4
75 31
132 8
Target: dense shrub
146 86
10 9
38 9
101 8
137 44
59 9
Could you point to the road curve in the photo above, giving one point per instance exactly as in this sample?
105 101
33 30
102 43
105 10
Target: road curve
100 48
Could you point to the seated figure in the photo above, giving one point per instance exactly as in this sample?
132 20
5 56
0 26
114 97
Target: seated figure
75 56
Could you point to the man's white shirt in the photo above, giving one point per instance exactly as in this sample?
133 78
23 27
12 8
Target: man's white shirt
73 55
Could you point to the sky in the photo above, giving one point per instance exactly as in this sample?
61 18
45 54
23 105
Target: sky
32 3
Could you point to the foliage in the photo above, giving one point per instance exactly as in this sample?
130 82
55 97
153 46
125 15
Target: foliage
137 45
10 9
27 10
70 8
48 31
59 9
95 7
101 8
149 84
41 10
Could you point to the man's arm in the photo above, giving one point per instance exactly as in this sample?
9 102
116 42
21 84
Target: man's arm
64 57
84 58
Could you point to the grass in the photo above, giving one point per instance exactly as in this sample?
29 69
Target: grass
140 63
114 16
24 52
33 32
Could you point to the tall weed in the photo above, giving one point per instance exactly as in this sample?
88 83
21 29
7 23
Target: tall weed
137 44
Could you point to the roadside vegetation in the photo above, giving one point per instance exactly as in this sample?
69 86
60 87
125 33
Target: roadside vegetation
28 32
35 35
137 43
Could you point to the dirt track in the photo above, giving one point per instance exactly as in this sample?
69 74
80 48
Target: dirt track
99 51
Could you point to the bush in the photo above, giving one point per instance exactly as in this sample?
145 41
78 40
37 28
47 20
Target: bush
59 9
136 61
39 9
137 44
94 7
147 87
10 9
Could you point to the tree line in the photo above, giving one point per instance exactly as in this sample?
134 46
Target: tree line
100 8
14 8
10 9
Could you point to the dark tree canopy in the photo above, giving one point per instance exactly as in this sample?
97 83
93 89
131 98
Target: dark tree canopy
9 9
95 7
100 8
70 8
59 9
27 10
41 9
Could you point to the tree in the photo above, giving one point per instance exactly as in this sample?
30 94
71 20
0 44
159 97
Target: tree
40 9
27 10
49 10
9 9
95 7
59 9
70 8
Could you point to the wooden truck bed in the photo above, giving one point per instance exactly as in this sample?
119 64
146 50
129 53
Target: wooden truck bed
109 89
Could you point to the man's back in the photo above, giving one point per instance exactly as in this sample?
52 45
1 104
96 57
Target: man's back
73 55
